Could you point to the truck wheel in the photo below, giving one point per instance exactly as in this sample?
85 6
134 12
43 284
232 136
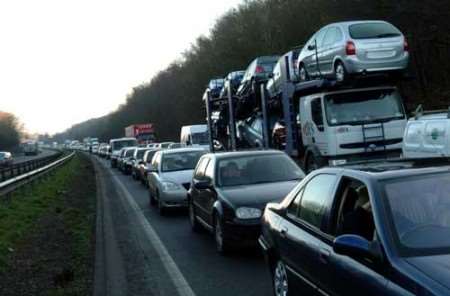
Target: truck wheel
313 162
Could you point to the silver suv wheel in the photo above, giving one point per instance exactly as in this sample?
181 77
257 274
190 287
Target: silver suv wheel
339 72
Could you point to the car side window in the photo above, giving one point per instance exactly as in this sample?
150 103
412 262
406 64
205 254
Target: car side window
319 37
353 210
156 160
317 199
338 36
316 113
329 37
295 204
201 167
209 172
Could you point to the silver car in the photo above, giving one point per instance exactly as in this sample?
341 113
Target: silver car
170 176
355 47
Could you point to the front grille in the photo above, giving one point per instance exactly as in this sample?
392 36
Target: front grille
381 143
187 185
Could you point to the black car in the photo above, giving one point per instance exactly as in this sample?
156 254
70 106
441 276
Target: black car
257 73
378 229
214 87
232 80
229 191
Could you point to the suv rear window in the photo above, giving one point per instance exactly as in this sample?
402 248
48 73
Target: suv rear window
373 30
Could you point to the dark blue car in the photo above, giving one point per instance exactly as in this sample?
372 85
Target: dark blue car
382 229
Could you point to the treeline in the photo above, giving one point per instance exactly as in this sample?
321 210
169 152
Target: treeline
10 131
263 27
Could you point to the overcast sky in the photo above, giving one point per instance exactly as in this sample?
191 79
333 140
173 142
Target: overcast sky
62 62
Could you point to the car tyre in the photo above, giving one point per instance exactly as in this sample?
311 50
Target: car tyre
340 73
280 280
161 208
222 245
152 198
195 226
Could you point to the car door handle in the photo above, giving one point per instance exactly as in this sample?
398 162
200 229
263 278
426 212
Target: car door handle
324 256
283 231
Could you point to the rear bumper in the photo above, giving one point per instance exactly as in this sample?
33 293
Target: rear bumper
354 65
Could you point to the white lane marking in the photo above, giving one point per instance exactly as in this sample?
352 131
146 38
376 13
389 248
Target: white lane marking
182 286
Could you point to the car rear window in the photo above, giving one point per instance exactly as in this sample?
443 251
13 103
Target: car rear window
373 30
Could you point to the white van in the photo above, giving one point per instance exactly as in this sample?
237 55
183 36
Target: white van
195 136
427 135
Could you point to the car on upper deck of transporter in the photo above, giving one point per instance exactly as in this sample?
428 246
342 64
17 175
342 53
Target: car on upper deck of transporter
380 227
355 47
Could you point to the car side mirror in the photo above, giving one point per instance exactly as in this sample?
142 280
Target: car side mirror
311 47
356 246
203 185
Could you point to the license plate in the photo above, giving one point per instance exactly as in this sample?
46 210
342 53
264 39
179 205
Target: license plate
381 54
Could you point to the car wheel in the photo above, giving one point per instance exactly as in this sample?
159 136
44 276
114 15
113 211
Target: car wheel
339 72
222 244
303 74
195 226
280 280
161 208
152 198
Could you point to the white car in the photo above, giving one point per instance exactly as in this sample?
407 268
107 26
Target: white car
170 176
427 135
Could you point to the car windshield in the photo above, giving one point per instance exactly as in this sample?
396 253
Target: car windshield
200 138
363 107
253 169
180 161
373 30
149 155
140 154
129 153
121 144
420 211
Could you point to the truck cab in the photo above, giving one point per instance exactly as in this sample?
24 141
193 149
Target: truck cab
427 135
351 124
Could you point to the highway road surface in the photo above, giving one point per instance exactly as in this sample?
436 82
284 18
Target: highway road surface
141 253
22 158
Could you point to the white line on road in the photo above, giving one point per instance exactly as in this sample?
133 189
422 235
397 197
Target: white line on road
182 286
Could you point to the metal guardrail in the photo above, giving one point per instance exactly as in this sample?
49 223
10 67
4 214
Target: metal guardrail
13 183
17 169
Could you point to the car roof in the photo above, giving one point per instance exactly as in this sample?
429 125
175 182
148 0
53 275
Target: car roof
233 154
349 23
394 168
181 150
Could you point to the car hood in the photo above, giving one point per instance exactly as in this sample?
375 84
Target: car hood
257 195
436 267
178 177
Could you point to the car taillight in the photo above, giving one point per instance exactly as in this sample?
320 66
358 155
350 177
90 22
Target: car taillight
259 69
350 48
405 45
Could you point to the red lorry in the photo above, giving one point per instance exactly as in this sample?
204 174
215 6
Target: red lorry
144 133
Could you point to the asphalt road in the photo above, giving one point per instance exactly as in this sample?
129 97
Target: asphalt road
141 253
22 158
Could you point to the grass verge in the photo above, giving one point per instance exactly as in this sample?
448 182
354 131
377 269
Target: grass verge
47 234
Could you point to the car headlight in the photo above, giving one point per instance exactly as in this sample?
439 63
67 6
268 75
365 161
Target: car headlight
248 213
170 186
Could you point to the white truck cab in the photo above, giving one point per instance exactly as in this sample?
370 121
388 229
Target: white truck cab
427 135
195 136
350 125
116 145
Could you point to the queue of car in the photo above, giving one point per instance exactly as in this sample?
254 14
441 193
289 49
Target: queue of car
368 228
